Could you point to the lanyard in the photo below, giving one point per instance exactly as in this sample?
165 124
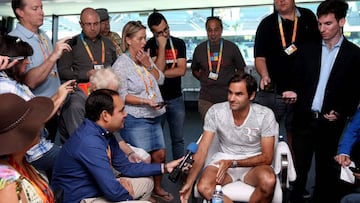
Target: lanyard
89 51
173 52
143 79
45 50
283 42
138 71
220 56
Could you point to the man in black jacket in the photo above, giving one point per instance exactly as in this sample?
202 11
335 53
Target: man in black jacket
326 86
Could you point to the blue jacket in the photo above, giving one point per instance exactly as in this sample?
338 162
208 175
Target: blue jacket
82 168
351 136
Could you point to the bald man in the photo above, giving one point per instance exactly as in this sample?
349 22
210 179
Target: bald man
90 50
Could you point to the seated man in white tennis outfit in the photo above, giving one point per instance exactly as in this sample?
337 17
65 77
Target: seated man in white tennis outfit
247 134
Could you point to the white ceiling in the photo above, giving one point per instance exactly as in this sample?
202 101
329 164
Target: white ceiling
64 7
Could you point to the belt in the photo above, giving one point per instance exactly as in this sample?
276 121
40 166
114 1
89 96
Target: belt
315 114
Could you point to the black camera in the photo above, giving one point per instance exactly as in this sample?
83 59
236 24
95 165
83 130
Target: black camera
72 42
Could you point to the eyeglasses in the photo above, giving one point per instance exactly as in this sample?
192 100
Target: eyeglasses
19 58
90 24
164 31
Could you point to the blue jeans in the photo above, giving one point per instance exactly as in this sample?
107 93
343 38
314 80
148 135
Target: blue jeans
175 116
351 198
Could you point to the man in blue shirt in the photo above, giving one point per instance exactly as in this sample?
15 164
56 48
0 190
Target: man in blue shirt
351 136
344 158
84 166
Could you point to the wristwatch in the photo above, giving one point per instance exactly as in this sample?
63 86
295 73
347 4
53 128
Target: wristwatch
234 164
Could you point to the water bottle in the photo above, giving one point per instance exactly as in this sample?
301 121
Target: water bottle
218 196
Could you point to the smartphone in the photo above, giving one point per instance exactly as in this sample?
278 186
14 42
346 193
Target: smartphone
73 85
161 104
354 169
11 58
270 87
72 42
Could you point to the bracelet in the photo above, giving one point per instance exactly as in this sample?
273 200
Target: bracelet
130 153
165 168
150 68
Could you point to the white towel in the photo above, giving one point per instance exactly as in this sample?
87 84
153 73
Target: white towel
283 148
346 174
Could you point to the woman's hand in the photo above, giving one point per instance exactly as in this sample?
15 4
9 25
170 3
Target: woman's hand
5 63
153 104
143 57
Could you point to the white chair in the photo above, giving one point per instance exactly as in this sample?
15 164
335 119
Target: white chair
240 192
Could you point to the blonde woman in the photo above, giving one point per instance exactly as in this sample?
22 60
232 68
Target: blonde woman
140 78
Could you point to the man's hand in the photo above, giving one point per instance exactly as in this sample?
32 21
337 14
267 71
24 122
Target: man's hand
223 167
343 160
172 164
60 47
135 158
289 97
4 62
185 192
264 82
90 73
357 175
332 115
161 41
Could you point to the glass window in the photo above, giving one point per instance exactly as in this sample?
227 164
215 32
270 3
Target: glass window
69 26
189 25
240 24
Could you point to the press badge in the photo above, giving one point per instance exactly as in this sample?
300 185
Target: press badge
98 67
291 49
213 76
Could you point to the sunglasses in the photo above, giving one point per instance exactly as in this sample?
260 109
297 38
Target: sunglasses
12 58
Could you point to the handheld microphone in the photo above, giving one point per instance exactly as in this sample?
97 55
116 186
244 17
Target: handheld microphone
191 149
